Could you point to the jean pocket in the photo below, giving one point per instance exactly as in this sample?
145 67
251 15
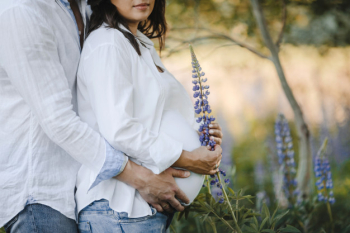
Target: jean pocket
84 227
9 224
134 220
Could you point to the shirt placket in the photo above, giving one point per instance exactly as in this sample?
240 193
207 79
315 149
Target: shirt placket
65 5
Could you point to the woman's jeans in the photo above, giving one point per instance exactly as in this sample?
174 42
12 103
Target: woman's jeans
41 219
98 217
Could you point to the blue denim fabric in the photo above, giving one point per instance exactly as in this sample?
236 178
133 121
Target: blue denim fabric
98 217
40 218
114 165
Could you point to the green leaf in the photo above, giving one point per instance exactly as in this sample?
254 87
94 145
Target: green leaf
263 223
180 215
231 191
256 222
290 228
265 211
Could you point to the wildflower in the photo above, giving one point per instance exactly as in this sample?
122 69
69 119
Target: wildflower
201 93
322 170
285 153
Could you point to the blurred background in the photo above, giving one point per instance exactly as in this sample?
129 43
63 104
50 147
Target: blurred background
246 94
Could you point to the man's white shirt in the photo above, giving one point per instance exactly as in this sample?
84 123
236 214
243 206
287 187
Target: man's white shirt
42 140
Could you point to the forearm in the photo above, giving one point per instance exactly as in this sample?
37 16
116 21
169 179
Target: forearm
135 175
185 160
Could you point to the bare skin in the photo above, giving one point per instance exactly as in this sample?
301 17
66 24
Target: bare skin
161 190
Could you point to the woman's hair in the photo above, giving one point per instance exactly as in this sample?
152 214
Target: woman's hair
103 11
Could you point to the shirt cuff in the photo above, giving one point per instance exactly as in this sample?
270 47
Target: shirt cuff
114 165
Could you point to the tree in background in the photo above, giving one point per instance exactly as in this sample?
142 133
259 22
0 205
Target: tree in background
304 23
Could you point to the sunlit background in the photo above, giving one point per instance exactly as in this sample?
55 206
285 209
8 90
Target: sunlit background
246 94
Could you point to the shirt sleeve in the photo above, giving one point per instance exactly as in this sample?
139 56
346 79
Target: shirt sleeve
113 166
107 77
30 58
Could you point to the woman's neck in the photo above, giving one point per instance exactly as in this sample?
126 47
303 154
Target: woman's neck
133 27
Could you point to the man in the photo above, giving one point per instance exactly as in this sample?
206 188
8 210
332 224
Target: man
42 140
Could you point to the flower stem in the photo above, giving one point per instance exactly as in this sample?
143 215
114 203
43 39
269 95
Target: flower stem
330 215
208 183
229 203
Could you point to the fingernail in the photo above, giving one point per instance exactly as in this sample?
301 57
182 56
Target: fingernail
210 125
211 131
187 173
211 138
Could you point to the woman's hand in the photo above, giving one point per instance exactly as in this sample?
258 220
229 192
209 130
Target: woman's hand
201 160
215 133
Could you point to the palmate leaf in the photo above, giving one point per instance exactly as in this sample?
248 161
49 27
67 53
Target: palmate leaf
290 229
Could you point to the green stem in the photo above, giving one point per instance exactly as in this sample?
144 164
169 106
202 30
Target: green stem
221 219
213 226
237 209
229 203
330 215
208 184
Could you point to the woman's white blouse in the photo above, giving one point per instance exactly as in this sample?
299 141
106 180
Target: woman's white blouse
123 96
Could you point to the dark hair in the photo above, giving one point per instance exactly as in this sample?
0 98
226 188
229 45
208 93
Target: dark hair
103 11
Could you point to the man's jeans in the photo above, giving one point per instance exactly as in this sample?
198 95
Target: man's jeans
98 217
41 219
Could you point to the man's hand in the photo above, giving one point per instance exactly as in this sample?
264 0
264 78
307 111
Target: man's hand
158 190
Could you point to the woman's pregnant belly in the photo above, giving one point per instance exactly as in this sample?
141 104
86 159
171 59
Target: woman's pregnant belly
175 125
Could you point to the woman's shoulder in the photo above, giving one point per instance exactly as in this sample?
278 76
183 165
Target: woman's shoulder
105 36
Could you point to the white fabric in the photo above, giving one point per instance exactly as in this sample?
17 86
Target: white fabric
41 137
122 95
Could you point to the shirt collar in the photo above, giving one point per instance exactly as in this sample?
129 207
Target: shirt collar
140 37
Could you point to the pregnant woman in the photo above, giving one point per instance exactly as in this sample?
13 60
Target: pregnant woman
126 94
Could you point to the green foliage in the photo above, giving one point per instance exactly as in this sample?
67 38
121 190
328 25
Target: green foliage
2 230
309 216
316 22
219 217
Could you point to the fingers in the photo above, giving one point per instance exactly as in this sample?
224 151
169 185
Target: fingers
157 207
178 173
181 196
176 205
166 207
215 132
215 126
218 149
218 141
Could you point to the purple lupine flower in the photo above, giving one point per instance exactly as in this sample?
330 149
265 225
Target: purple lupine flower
202 107
284 145
322 170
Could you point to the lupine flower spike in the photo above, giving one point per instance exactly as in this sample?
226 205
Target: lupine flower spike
285 154
323 174
202 109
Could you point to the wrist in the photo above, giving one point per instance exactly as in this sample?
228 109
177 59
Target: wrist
185 161
135 175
